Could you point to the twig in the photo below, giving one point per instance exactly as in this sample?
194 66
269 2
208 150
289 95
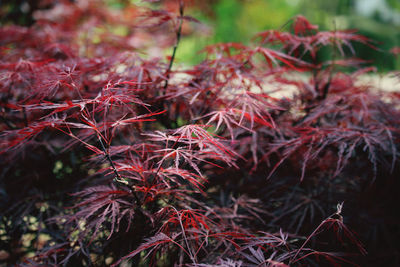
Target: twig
118 176
25 117
315 232
325 89
178 38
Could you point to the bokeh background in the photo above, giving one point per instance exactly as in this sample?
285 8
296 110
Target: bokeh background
239 20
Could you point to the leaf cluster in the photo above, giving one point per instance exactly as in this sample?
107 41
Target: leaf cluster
112 157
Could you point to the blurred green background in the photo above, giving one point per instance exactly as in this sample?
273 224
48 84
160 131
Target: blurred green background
239 20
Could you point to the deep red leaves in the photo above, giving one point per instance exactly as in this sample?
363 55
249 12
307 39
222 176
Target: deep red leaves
182 168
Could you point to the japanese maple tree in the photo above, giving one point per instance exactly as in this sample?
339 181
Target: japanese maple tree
264 154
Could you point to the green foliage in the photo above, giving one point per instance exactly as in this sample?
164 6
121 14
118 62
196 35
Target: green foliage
227 13
253 17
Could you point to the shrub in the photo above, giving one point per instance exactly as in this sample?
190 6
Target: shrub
111 157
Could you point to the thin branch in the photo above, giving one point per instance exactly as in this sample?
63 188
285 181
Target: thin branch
325 90
25 117
118 179
315 232
178 38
